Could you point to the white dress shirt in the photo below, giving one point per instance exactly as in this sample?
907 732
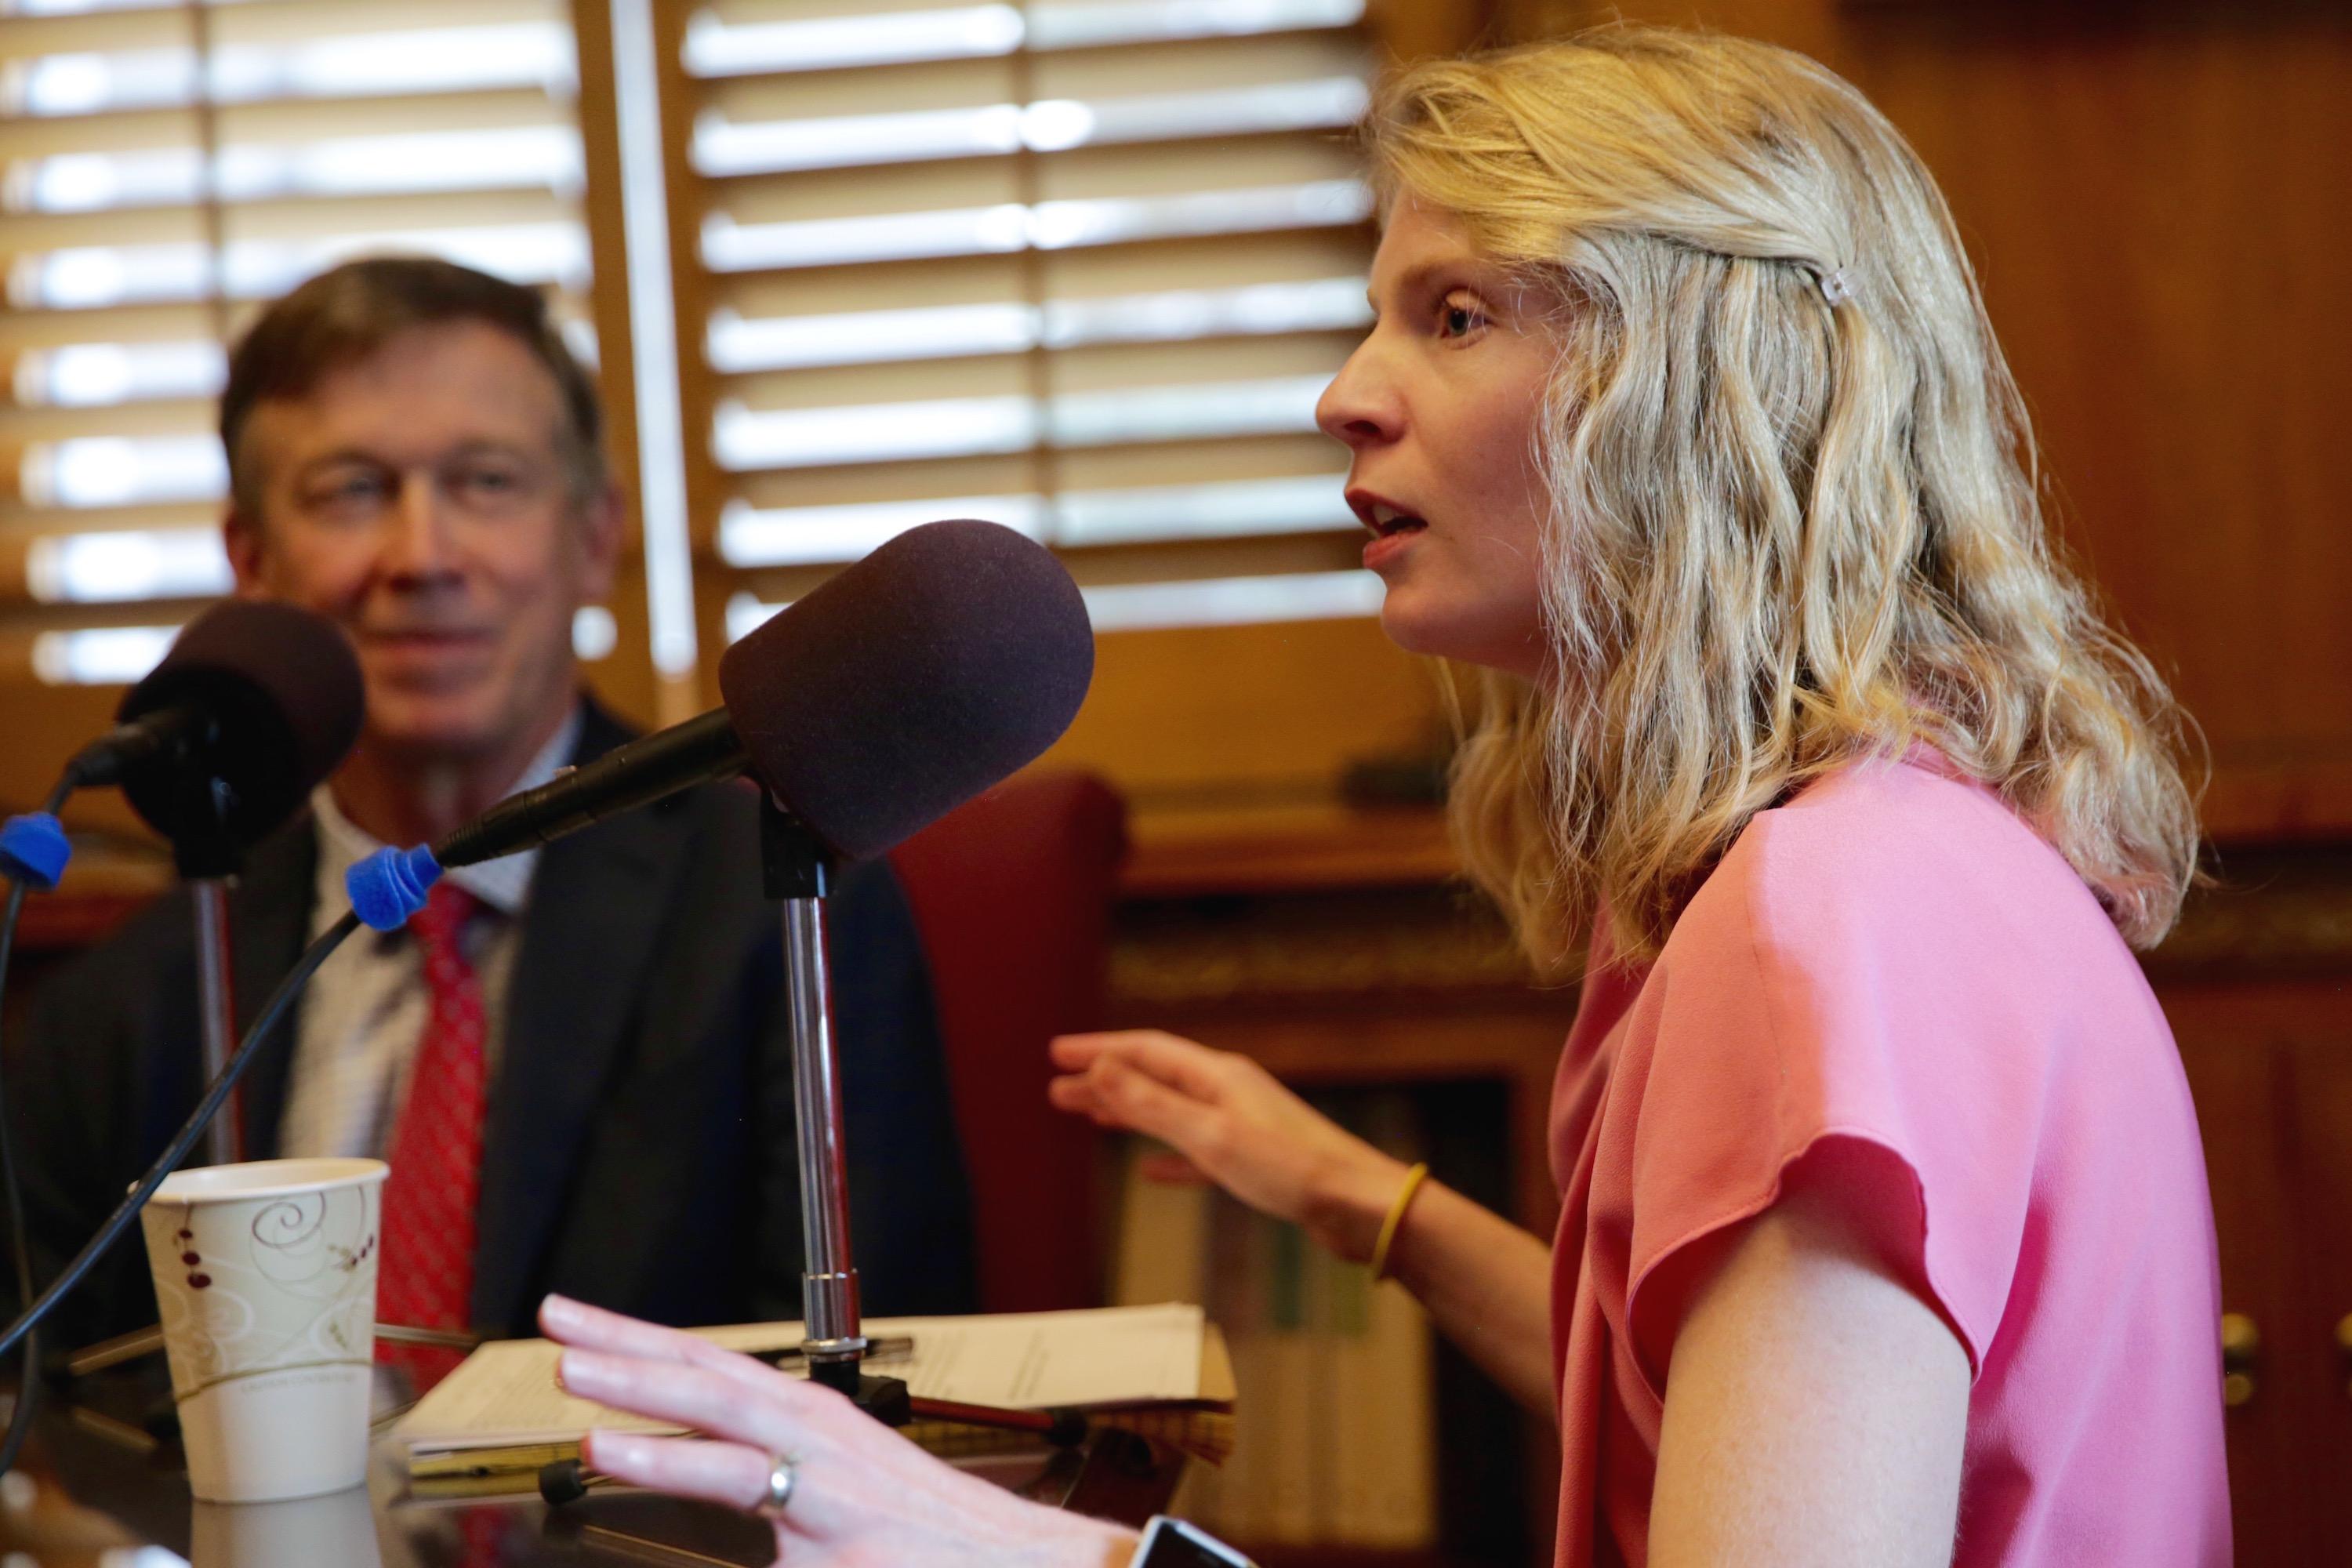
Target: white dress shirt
361 1017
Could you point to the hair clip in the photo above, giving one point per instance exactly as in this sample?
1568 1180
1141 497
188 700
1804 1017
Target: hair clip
1837 288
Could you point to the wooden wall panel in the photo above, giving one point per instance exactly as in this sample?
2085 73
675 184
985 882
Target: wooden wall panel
1249 715
2156 196
2160 217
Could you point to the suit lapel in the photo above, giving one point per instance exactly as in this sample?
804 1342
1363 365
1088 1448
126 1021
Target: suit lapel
269 915
588 937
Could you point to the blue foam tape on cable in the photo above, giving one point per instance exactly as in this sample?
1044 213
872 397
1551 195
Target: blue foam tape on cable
390 885
33 850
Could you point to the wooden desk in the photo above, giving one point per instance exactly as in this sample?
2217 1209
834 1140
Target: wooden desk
96 1486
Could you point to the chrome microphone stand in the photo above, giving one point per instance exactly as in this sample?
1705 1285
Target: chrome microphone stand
216 1010
798 870
208 858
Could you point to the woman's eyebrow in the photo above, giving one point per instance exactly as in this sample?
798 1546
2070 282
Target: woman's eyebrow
1418 276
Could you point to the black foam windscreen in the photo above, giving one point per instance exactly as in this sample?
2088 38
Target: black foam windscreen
282 693
911 681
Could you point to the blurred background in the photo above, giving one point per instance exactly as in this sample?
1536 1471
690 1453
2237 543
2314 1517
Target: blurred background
1082 266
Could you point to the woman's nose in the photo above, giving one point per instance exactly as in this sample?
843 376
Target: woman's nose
1360 406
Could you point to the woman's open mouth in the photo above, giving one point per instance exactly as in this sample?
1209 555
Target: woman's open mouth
1394 532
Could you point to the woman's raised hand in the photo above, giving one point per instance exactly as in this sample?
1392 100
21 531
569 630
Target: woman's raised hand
1237 1127
862 1496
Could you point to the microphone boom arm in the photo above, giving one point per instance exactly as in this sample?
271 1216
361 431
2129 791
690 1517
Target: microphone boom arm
704 750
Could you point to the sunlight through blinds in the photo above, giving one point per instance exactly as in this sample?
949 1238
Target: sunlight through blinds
165 167
1081 267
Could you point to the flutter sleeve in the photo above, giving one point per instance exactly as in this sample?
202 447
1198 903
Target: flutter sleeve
1849 1013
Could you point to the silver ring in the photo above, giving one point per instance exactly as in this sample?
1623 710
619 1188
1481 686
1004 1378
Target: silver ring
782 1476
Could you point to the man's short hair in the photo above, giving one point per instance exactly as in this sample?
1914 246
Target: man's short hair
346 314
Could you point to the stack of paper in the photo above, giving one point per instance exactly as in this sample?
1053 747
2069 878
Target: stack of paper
1161 1370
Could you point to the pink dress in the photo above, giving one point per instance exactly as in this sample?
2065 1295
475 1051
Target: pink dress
1894 980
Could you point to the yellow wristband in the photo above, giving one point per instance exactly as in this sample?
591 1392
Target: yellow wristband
1412 1180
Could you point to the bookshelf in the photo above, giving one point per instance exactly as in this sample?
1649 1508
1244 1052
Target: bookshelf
1343 960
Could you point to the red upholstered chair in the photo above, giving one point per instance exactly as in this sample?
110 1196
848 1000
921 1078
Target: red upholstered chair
1012 897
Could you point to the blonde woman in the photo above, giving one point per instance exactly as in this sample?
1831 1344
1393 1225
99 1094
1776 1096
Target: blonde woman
1884 1237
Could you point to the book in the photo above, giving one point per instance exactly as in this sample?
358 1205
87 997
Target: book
1335 1444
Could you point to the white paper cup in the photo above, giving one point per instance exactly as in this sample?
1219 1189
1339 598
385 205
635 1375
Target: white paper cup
266 1277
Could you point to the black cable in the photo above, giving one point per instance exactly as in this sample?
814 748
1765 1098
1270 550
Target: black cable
29 1379
191 1130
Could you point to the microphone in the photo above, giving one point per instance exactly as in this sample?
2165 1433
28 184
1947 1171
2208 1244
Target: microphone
898 689
254 704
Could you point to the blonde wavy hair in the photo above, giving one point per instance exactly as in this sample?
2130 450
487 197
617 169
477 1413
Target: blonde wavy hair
1787 531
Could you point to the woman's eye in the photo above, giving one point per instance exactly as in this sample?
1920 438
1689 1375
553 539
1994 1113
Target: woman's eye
1459 319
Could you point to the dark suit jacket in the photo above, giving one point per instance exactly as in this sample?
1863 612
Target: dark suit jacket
639 1149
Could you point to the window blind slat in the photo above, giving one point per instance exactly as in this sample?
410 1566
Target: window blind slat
868 192
865 484
1104 475
1006 228
157 26
821 95
291 127
877 386
23 329
1170 464
1180 561
1094 293
844 290
1222 262
1190 66
1099 172
153 417
36 235
1225 261
20 524
318 217
1130 366
23 137
336 127
296 21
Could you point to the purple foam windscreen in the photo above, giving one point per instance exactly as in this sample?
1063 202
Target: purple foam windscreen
908 683
276 697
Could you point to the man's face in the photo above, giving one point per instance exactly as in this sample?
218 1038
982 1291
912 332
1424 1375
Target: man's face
421 499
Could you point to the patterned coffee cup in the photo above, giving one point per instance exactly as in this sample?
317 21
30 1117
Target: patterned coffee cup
264 1275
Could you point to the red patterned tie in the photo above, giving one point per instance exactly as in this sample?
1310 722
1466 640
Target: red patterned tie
425 1276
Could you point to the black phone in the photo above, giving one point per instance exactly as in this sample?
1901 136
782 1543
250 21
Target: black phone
1173 1543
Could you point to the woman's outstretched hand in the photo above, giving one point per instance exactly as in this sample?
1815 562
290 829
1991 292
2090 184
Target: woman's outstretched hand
862 1496
1237 1126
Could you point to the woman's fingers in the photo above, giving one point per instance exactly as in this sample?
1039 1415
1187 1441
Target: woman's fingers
571 1322
1179 1063
782 1413
726 1473
1136 1101
1075 1053
594 1328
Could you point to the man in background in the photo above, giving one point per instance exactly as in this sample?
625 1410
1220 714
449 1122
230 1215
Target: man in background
575 1059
